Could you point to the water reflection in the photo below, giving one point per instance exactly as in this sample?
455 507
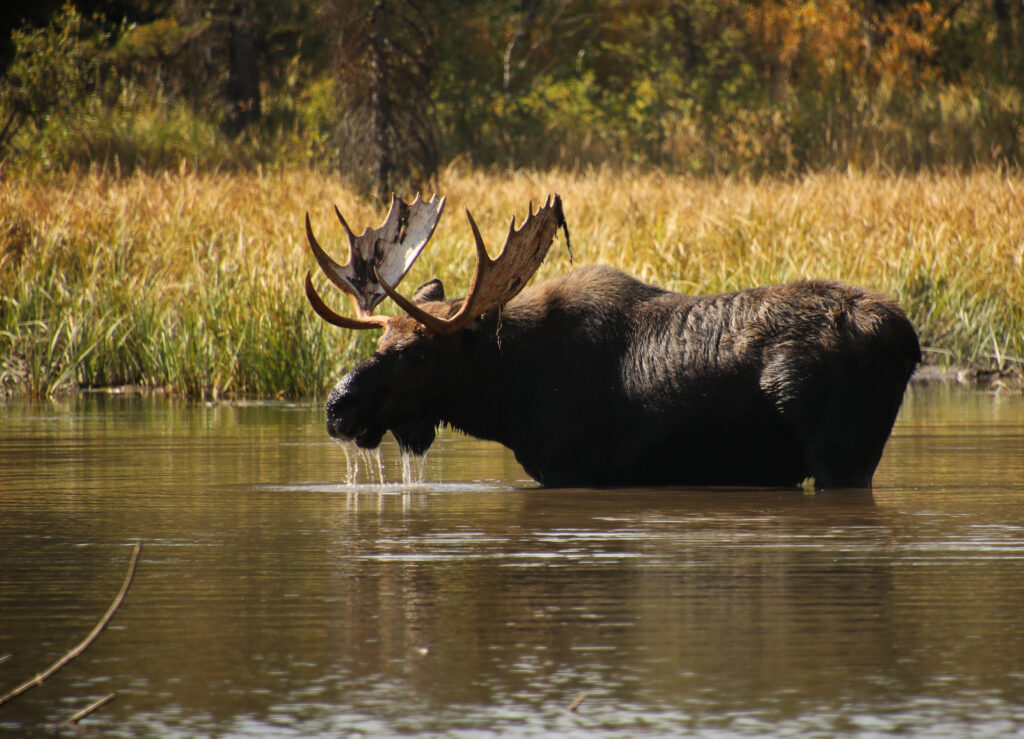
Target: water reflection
276 597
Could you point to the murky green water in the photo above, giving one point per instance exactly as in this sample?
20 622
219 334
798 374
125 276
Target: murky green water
273 598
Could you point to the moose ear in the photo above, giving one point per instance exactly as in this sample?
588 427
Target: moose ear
429 291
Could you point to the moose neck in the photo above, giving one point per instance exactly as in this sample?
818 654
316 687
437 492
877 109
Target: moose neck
485 380
541 377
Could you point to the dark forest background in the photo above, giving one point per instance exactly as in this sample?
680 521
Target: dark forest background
390 91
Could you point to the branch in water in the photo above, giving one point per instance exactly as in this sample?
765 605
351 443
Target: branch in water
38 679
91 707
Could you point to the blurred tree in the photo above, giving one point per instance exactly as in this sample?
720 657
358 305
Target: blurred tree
25 17
50 74
388 89
388 127
243 87
514 58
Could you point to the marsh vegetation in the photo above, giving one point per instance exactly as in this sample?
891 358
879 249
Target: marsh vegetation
191 282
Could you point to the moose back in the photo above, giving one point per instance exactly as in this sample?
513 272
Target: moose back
597 379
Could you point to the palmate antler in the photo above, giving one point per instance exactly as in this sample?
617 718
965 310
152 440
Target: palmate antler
389 250
495 282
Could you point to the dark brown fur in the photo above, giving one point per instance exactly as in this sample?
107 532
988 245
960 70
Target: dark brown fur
595 378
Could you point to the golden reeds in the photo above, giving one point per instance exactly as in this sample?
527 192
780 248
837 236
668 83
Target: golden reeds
193 281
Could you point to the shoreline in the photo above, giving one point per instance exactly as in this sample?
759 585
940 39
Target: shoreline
996 381
990 379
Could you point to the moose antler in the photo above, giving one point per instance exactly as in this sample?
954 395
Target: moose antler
495 281
389 250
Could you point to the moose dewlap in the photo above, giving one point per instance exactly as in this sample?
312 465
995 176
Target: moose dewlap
597 379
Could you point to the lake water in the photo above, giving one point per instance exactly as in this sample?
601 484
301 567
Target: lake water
275 598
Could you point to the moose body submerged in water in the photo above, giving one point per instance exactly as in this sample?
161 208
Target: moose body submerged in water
597 379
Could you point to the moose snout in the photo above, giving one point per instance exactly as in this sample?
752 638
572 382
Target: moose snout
342 415
348 417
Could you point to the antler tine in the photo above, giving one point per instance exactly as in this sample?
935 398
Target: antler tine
337 274
478 240
363 322
348 231
344 224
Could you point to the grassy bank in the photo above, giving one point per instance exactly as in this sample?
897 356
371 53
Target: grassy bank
193 281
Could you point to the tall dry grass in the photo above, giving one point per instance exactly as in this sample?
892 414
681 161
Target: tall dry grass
193 281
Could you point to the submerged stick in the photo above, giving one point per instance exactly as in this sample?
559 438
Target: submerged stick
91 707
83 645
576 702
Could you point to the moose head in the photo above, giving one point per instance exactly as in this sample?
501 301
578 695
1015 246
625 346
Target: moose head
399 388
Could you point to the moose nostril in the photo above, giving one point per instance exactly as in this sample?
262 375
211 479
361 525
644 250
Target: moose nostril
341 422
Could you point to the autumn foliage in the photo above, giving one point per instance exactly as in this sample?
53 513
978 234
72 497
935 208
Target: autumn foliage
698 86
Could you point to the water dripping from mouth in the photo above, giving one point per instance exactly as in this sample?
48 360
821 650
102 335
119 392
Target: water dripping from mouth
372 458
370 462
351 463
413 467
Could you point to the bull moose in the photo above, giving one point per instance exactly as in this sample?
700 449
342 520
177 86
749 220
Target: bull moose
597 379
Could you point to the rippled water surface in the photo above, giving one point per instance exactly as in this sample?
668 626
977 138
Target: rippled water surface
276 597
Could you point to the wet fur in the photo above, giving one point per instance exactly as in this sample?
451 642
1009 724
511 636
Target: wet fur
597 379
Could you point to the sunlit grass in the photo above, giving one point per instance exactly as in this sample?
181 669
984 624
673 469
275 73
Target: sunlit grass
193 281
